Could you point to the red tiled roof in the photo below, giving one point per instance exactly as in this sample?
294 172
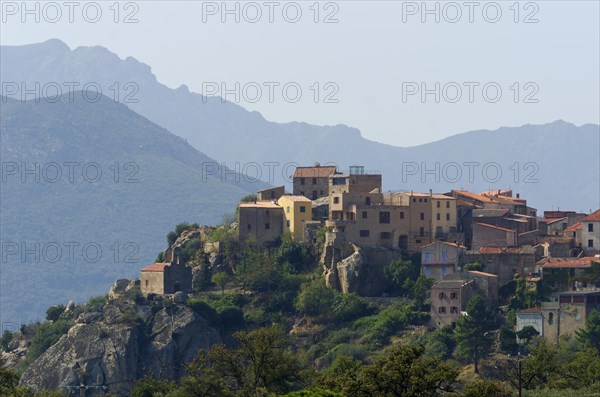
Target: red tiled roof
574 227
482 273
499 250
552 220
260 204
444 242
593 217
473 196
494 227
556 263
314 172
157 267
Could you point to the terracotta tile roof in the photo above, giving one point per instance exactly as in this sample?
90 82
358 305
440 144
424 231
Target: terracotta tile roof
260 204
489 212
446 243
473 196
493 227
482 273
574 227
593 217
314 172
527 249
450 284
295 198
571 263
157 267
532 310
436 196
552 220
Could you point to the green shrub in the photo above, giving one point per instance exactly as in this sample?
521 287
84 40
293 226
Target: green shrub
53 313
46 335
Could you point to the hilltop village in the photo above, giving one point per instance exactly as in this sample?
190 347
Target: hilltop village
468 243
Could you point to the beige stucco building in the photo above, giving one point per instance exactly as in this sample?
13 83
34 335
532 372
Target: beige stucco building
297 211
260 222
166 278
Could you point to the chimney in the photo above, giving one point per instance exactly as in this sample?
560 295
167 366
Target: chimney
430 193
518 195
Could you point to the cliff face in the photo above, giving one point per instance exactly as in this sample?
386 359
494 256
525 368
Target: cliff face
119 343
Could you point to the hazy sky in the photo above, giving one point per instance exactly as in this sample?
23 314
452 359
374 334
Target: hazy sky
369 64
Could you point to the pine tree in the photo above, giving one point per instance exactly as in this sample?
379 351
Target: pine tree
472 331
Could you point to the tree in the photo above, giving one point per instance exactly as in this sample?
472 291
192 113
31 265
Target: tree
9 379
487 388
404 372
589 336
474 266
151 387
7 337
315 298
473 331
398 272
261 363
527 333
220 279
418 289
53 312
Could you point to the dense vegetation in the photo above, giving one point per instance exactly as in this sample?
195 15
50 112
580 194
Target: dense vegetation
288 334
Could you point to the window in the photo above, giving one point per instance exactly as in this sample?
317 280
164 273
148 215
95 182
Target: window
249 227
147 283
314 195
438 204
447 204
441 295
454 310
442 310
267 226
590 243
368 200
418 241
590 227
438 216
364 214
288 223
314 181
364 233
425 200
302 181
302 208
564 226
452 295
385 235
420 200
422 216
384 217
550 318
414 200
336 200
401 214
287 209
421 232
339 181
447 217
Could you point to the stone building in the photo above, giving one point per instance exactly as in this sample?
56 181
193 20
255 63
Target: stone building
590 233
506 262
441 258
260 222
570 274
560 318
312 182
166 278
485 235
270 194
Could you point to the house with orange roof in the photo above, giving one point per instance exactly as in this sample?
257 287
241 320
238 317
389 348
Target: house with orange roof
312 182
590 233
570 274
166 278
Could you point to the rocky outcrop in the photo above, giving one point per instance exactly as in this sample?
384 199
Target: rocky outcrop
349 268
119 343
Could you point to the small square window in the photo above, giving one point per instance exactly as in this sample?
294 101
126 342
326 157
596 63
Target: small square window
267 226
364 233
249 227
364 214
302 181
302 208
336 200
401 214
